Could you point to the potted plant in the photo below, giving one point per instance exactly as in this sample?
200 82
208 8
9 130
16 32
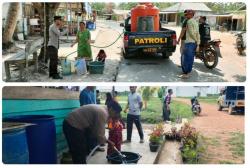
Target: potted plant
173 134
155 138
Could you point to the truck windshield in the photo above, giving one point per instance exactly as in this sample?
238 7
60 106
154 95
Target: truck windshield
145 23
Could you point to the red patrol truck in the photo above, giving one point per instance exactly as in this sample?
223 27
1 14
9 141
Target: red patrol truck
144 34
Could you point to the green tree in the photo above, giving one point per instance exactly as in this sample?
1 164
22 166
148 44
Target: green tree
130 5
127 5
163 5
147 92
98 6
220 7
161 92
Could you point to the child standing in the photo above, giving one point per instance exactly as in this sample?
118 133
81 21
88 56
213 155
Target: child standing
115 127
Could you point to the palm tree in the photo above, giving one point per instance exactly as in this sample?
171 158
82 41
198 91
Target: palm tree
10 25
147 93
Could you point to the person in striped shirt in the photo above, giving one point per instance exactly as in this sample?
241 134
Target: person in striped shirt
166 106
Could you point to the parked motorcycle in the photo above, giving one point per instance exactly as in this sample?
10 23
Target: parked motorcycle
210 53
240 43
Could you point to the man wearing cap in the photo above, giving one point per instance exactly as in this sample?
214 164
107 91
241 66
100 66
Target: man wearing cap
79 125
53 46
191 44
134 115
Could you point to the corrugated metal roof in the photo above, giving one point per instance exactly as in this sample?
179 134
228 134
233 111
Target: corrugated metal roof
180 7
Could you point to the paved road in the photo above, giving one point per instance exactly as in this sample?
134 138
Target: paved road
155 69
152 68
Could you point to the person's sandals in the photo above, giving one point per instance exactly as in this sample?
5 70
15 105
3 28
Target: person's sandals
184 76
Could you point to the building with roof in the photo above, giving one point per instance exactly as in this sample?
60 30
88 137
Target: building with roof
233 21
173 15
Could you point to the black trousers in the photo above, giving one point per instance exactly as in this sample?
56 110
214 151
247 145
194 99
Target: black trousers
77 143
53 56
166 114
137 120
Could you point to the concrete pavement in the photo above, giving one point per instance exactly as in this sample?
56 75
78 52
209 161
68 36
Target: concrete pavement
136 147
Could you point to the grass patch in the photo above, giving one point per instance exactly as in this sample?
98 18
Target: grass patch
212 141
209 100
153 113
180 109
237 144
205 156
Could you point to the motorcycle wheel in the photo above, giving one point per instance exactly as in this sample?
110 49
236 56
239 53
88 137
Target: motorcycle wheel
211 59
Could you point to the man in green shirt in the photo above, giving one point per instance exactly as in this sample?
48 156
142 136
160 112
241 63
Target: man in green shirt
191 44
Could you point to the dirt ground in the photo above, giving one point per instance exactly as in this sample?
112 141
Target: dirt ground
217 128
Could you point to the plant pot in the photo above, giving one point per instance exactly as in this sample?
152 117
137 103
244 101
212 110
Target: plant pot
154 147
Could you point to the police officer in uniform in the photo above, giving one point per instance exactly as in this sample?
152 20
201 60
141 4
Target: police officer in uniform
204 30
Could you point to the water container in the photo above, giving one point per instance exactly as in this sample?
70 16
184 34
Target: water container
145 12
96 67
15 147
81 67
41 137
91 25
66 67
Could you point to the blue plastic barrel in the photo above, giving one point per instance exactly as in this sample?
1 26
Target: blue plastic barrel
90 25
66 67
41 137
15 147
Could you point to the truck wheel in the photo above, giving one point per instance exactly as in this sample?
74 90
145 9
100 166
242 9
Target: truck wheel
125 55
230 110
219 107
166 55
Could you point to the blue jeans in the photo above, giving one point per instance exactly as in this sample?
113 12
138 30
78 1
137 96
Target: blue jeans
188 57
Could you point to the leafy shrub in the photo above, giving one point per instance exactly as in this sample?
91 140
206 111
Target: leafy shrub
189 140
156 135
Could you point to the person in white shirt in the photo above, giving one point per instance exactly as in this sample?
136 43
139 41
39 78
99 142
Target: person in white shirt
134 114
53 46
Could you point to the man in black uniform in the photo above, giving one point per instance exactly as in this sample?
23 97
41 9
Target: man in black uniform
204 30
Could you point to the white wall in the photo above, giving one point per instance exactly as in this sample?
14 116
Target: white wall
189 91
